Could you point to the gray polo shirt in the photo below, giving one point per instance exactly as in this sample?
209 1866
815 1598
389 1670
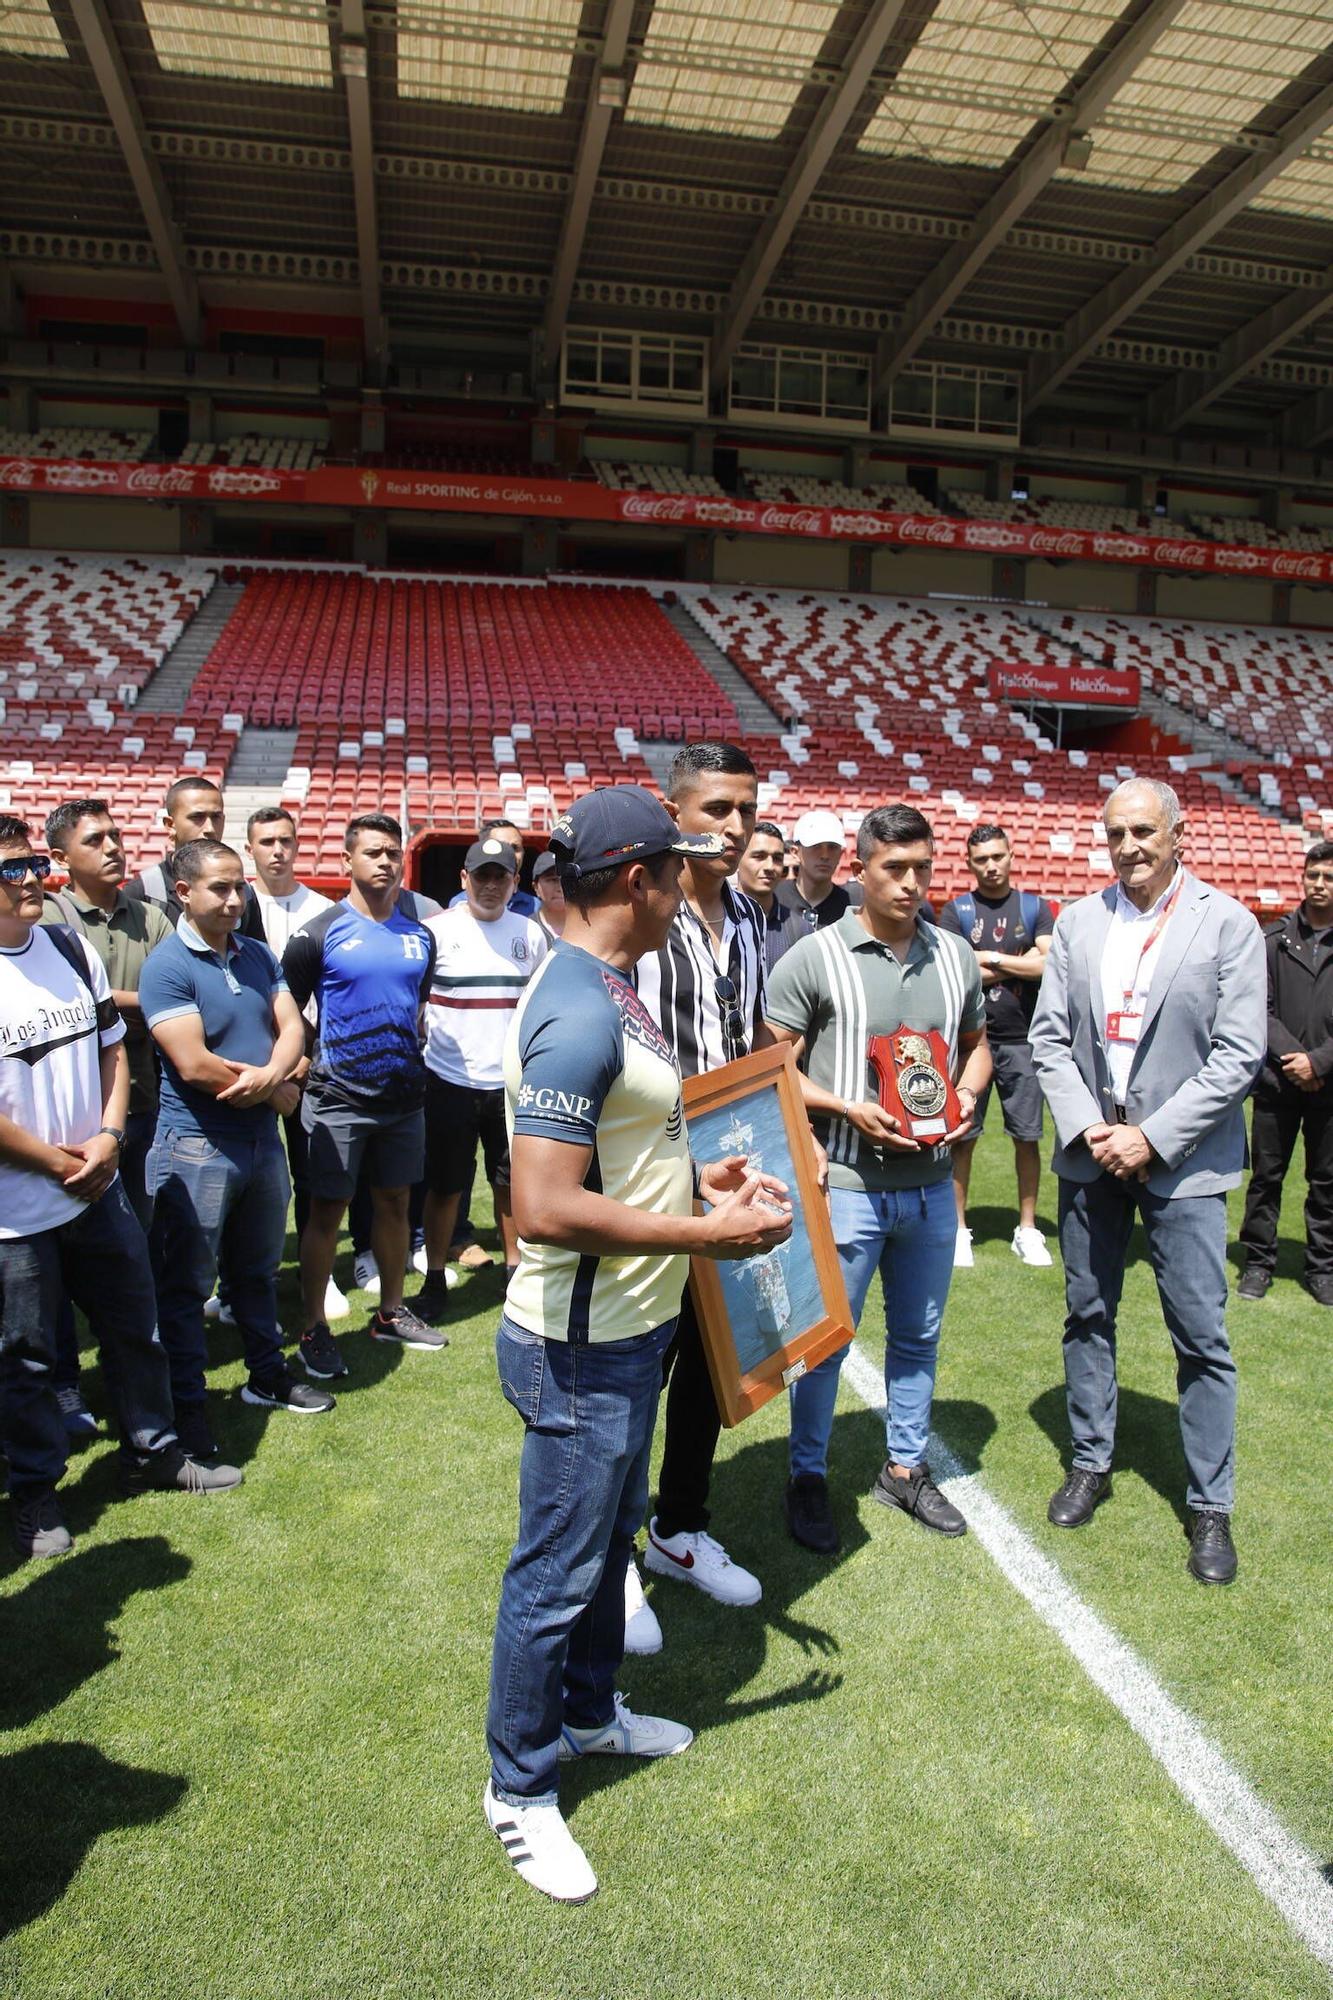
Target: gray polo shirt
839 987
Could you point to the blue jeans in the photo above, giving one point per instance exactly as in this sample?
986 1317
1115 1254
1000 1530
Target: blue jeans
1187 1246
139 1129
218 1199
588 1415
907 1234
100 1259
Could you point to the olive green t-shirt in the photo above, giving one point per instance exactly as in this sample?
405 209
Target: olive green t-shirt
122 941
840 986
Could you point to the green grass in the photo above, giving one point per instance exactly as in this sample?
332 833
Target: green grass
245 1748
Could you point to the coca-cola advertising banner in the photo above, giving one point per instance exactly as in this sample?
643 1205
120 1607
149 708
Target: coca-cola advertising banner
586 500
1069 687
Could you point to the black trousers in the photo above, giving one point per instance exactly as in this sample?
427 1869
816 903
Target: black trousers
691 1432
1277 1123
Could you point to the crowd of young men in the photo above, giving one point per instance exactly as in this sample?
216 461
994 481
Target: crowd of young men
157 1038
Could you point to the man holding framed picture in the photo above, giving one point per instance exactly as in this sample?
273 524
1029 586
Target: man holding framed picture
603 1196
879 969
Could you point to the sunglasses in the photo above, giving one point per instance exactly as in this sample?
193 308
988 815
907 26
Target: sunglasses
733 1024
18 870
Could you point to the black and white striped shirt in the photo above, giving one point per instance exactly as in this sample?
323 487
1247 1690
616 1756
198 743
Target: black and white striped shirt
678 984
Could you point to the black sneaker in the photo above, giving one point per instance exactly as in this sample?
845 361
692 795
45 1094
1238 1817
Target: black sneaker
1320 1290
400 1323
919 1496
1254 1282
432 1301
39 1527
1212 1557
174 1471
194 1433
809 1515
319 1354
284 1392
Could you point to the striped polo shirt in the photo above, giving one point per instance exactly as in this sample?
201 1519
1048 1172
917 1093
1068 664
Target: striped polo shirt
480 972
839 987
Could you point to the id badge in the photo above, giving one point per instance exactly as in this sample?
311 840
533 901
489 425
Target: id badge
1123 1027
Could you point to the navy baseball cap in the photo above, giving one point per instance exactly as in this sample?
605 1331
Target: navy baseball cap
491 853
620 823
545 864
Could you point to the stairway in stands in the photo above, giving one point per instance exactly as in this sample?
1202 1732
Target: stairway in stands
254 776
757 718
169 688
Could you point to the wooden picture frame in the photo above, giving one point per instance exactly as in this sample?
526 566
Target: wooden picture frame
765 1321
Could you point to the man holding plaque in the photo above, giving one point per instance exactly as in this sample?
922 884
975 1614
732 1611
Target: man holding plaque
882 1008
1151 1027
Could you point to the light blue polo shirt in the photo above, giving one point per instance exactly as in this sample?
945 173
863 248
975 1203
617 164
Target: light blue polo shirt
232 993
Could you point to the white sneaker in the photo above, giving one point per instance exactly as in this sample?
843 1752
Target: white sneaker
1030 1246
627 1735
367 1273
542 1848
699 1560
963 1260
643 1634
214 1308
337 1305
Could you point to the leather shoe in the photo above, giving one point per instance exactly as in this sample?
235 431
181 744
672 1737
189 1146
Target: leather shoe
1075 1503
919 1496
1212 1557
1254 1283
1320 1290
809 1515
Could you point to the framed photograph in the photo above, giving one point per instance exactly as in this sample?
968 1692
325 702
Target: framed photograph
765 1320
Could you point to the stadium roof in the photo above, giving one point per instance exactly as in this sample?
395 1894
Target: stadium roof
1134 204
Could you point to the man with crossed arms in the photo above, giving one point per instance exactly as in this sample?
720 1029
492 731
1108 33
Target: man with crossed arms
1150 1029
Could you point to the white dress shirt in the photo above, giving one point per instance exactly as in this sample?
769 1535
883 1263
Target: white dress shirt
1128 969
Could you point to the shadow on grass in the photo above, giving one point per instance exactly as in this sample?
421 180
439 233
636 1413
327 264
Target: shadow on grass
1147 1440
56 1800
55 1633
966 1427
1290 1259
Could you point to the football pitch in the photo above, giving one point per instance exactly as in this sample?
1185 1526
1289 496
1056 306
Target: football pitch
244 1751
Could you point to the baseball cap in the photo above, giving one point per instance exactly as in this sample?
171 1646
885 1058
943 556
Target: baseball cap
619 823
545 864
813 827
491 853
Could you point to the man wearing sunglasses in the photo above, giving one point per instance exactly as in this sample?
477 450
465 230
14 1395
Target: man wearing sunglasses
66 1224
705 989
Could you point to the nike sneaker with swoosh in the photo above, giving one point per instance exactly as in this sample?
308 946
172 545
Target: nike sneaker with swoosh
698 1559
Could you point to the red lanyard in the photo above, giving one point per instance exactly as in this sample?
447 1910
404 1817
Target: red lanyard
1162 915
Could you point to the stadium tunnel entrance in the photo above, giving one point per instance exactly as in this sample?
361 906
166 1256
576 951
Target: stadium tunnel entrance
434 862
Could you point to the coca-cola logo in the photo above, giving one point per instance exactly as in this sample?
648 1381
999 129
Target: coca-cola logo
160 479
1181 555
792 520
1049 542
80 478
229 479
18 472
991 535
1310 566
1247 559
919 529
641 507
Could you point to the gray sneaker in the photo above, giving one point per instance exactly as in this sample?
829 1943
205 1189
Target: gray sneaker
38 1526
400 1323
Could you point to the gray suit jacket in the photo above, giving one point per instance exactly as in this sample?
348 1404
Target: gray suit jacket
1202 1043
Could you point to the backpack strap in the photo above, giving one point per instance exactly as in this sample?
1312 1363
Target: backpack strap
965 903
1029 906
67 943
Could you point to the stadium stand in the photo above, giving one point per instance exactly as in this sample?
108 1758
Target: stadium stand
103 446
1251 533
889 497
275 454
459 459
623 477
1049 512
79 632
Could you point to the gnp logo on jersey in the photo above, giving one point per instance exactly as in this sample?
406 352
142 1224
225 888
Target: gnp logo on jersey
553 1103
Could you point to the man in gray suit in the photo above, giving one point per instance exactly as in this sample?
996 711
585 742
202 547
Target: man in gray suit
1150 1029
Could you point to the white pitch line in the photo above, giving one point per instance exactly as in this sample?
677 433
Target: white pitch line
1280 1867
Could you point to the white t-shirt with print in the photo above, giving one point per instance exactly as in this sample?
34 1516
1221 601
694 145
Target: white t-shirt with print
480 973
52 1033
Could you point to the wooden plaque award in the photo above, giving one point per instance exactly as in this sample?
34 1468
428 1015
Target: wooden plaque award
912 1069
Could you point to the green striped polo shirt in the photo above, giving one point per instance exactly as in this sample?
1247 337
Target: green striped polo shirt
840 986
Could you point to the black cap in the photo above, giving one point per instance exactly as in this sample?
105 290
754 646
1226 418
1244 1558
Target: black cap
545 864
620 823
491 853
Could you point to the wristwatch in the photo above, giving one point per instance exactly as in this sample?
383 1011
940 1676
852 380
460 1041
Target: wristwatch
115 1132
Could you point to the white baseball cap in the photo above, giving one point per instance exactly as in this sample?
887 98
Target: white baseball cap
813 827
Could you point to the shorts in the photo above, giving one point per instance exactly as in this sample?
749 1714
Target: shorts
457 1116
392 1144
1020 1093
